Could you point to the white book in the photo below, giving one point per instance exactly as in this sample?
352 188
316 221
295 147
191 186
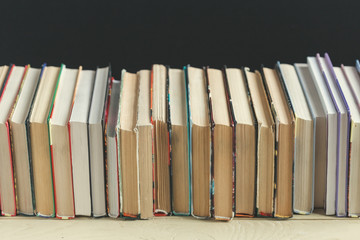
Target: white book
342 135
332 133
96 129
79 142
60 142
304 148
112 151
7 99
313 99
344 79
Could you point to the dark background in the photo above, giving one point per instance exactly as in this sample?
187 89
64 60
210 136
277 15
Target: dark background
135 34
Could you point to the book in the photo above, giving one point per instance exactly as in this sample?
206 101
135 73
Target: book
178 117
4 72
162 197
39 142
60 142
144 145
112 168
357 65
79 142
304 144
96 131
265 159
7 99
330 136
129 166
344 80
342 133
244 139
200 142
19 141
284 141
354 81
318 113
221 147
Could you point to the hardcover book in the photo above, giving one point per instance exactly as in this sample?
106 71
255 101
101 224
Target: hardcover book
354 81
60 142
265 159
162 197
330 136
129 165
144 145
39 142
200 142
284 142
244 140
303 201
96 131
222 146
342 134
353 199
20 143
78 124
178 118
313 98
112 153
7 100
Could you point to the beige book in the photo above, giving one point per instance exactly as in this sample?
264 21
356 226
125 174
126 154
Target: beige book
284 144
40 146
143 132
179 142
222 146
60 142
129 170
7 99
79 142
200 143
162 198
245 143
19 138
265 145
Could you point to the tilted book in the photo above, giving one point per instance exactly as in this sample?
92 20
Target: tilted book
244 141
265 159
40 144
7 100
304 135
20 141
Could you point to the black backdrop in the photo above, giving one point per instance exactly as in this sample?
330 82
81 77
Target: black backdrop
135 34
